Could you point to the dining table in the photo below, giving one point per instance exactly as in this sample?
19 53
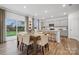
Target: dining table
35 37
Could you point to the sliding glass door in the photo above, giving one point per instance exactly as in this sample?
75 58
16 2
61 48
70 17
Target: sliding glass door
10 27
13 27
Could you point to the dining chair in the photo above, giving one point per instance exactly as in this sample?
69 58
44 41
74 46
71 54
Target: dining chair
43 43
20 40
27 43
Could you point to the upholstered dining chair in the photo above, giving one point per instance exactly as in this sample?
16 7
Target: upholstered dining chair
43 43
27 43
20 40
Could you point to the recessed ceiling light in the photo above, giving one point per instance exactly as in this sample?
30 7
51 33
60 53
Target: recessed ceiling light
65 13
45 11
24 6
64 5
52 16
35 14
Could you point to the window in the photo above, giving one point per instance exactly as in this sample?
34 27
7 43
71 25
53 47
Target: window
10 27
20 26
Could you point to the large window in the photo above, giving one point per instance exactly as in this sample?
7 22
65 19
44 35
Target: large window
13 27
14 24
10 27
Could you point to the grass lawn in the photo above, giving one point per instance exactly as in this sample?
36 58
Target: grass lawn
11 33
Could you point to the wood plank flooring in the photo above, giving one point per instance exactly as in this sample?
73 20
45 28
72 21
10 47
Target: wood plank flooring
66 47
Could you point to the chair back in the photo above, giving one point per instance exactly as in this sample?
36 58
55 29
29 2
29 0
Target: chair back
44 39
20 38
22 33
26 39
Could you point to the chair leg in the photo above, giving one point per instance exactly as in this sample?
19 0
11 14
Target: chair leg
17 44
43 50
48 46
20 47
27 50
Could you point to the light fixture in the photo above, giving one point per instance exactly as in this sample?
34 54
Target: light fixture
64 5
52 16
24 6
45 11
65 13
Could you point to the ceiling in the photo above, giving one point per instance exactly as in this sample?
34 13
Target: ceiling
42 11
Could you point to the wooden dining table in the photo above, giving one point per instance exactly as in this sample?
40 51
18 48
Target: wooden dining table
35 38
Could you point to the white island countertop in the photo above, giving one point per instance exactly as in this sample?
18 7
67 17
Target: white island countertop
57 32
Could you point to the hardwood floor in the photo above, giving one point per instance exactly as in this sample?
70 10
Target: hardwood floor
9 48
66 47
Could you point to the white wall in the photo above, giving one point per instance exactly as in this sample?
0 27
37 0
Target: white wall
73 25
